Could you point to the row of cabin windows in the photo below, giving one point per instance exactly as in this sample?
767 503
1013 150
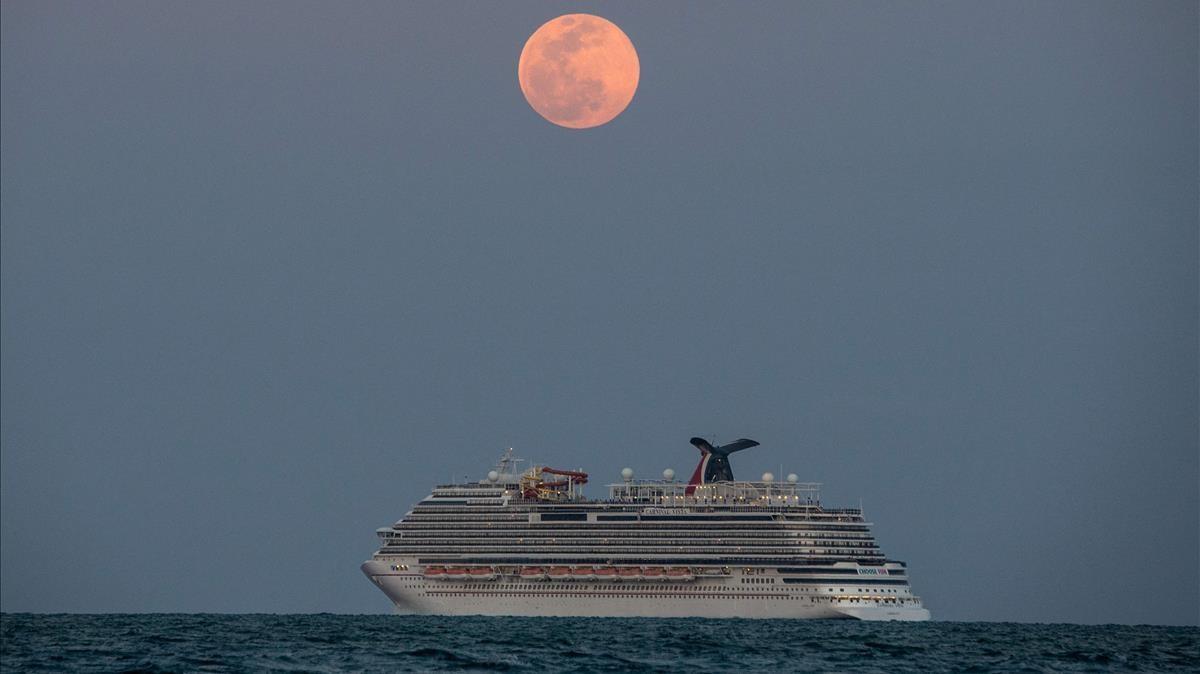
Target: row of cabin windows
579 520
660 587
688 534
786 597
640 561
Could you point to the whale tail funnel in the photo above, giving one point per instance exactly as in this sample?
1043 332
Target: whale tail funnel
714 461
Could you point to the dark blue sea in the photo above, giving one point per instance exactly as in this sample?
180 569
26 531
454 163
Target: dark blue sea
339 643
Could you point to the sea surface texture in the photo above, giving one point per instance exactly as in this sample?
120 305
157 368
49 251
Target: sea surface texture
336 643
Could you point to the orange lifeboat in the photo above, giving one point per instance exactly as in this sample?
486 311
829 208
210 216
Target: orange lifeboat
583 573
559 573
629 573
482 573
533 573
607 573
455 573
653 573
435 572
680 573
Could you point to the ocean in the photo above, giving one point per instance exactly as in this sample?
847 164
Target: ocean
384 643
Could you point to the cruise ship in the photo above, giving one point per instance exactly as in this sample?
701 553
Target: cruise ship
529 543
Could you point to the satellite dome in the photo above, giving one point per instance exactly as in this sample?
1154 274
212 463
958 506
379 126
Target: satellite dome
627 473
493 476
768 477
668 475
793 478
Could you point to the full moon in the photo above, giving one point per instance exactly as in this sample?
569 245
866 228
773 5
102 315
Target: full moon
578 71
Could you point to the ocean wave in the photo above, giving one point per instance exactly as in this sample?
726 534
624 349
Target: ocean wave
332 643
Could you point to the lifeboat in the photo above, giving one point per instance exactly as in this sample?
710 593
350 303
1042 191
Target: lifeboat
435 572
653 573
559 573
607 573
533 573
680 573
482 573
583 573
455 573
629 573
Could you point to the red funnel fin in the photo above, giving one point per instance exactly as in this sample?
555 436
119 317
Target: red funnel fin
698 476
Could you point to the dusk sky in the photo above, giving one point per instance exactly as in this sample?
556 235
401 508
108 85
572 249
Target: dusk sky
271 270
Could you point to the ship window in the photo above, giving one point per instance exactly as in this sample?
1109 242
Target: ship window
564 517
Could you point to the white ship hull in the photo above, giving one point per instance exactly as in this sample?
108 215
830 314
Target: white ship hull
411 593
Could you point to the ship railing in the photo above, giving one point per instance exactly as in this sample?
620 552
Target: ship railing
750 493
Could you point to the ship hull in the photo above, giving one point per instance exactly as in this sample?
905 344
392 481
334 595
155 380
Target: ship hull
411 593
